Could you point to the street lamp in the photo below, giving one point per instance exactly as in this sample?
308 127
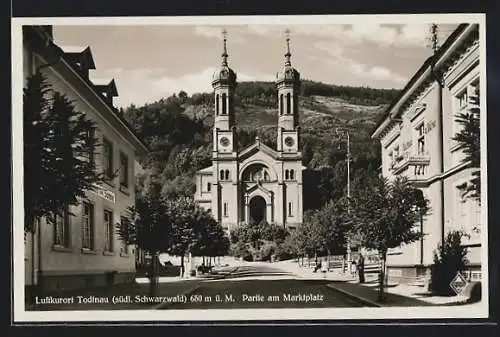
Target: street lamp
342 132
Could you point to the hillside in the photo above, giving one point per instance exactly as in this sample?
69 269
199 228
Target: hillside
178 129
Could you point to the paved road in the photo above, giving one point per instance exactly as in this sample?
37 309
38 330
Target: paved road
263 287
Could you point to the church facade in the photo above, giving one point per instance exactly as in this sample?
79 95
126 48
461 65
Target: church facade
258 182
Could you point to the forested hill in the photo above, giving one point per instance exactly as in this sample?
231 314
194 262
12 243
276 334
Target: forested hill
178 130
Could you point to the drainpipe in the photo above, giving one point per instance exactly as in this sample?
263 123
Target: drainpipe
438 78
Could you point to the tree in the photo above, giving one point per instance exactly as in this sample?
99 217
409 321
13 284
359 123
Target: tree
148 225
188 220
385 215
468 140
449 259
59 148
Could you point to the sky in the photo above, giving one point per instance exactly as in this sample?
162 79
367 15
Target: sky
150 62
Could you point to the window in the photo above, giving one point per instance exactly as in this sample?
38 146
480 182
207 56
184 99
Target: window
123 170
288 104
281 104
462 99
421 139
292 174
287 174
225 209
217 104
124 245
90 144
224 104
221 174
61 229
209 187
107 158
290 209
390 156
227 175
88 226
108 231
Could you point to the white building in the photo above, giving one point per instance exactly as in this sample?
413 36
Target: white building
416 140
83 250
257 183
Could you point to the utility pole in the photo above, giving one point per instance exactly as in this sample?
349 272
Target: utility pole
340 132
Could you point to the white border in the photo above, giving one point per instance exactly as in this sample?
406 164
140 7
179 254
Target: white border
479 310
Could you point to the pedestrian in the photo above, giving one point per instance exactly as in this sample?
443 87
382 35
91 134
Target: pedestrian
318 266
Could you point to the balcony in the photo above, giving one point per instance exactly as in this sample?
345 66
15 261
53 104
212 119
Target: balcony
406 160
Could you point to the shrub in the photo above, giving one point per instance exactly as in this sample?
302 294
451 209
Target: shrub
449 259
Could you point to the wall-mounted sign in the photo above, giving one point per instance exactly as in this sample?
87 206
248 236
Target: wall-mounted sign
104 193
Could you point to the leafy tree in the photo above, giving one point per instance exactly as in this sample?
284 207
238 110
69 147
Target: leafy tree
385 215
148 225
188 220
468 139
449 259
59 147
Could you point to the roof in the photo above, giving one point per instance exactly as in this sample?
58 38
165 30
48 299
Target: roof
41 33
109 83
429 62
79 50
206 170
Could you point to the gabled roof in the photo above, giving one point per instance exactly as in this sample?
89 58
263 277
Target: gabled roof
206 170
258 145
80 50
258 186
106 83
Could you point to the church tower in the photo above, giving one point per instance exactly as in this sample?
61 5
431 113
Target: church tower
224 84
288 85
224 157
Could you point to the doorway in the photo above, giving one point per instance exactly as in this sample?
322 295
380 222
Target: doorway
258 209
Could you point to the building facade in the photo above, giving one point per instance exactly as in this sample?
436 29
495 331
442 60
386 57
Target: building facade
82 249
416 141
257 183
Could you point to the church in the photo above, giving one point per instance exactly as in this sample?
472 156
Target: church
256 183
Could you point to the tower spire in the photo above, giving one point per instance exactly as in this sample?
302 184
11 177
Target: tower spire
224 52
288 54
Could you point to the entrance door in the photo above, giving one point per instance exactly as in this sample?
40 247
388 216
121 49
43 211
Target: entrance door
257 209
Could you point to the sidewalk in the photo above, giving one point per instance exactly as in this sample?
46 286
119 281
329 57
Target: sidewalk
401 295
127 292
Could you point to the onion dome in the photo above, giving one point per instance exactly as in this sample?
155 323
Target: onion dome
289 75
224 75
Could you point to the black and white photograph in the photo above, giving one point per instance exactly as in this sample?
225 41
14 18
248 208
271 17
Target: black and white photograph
266 167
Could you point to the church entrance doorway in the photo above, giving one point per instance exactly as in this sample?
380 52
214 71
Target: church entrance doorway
257 209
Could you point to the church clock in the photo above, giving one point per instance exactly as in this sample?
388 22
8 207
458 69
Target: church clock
224 141
289 141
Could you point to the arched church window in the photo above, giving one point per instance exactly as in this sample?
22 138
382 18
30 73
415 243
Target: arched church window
290 209
266 176
287 175
209 187
221 174
224 104
217 104
227 175
281 104
292 175
288 104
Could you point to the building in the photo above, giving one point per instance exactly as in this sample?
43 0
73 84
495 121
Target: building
416 139
82 249
257 183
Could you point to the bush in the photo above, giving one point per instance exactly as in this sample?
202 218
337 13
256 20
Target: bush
449 259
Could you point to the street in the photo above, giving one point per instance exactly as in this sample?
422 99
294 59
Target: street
263 286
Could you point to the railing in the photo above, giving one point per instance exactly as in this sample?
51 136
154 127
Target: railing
406 160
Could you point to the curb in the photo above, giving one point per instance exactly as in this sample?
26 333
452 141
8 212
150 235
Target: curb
167 304
355 297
